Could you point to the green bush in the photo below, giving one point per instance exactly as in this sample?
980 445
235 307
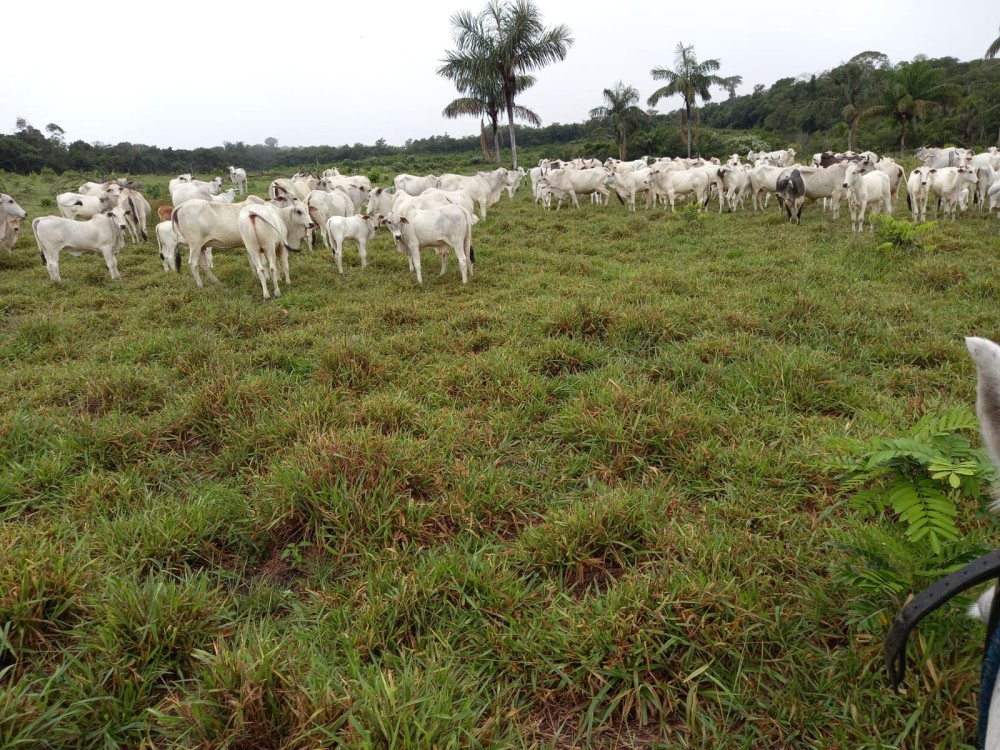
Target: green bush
900 234
908 492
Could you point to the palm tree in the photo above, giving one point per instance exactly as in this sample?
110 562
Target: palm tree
690 79
993 50
484 99
505 42
620 110
912 90
857 81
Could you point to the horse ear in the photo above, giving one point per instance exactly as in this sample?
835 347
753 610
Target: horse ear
986 355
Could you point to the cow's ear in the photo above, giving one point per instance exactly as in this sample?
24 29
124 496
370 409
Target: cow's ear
932 171
404 220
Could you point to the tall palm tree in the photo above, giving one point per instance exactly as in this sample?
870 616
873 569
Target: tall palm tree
857 81
912 90
993 50
690 79
506 41
620 110
484 99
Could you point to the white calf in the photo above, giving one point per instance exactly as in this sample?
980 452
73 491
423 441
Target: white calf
167 240
866 185
917 190
360 228
104 233
239 178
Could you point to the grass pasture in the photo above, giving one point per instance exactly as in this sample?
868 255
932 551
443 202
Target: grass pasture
578 502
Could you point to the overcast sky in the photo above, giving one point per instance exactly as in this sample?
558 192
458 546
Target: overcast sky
184 74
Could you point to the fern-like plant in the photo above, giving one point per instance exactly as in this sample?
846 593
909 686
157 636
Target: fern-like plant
900 234
913 488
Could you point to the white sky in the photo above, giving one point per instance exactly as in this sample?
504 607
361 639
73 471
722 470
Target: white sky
184 74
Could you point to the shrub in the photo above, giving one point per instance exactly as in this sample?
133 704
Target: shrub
912 487
900 234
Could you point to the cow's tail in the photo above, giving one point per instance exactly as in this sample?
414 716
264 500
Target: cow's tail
38 241
177 230
909 201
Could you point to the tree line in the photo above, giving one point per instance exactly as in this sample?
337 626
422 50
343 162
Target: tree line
865 103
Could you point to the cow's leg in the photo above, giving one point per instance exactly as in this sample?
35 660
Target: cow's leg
363 251
257 268
460 254
415 263
51 262
283 254
205 260
112 262
338 254
444 260
576 201
194 260
272 266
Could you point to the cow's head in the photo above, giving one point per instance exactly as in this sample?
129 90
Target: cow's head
395 223
9 206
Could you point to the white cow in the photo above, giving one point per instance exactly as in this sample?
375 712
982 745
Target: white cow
322 205
477 186
229 196
239 177
167 241
629 183
382 202
949 184
668 184
9 208
268 234
360 228
136 209
112 189
568 183
917 191
735 183
213 186
182 192
782 158
357 193
826 182
413 185
944 157
535 174
443 228
986 355
204 224
77 206
513 181
763 184
866 185
103 233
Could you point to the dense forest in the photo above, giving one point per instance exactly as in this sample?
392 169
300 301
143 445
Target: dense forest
866 103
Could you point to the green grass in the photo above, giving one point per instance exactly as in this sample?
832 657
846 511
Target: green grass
577 502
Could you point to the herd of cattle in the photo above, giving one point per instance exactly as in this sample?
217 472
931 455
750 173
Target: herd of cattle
439 211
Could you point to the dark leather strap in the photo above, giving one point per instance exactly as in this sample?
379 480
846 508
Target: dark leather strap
978 571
